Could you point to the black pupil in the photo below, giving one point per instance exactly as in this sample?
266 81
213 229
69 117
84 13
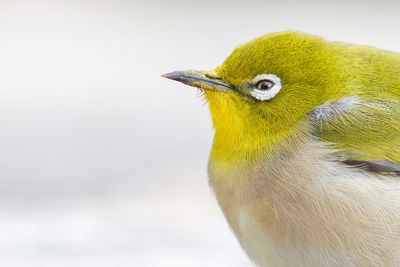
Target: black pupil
265 85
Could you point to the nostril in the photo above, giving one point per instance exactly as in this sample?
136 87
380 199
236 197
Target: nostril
212 75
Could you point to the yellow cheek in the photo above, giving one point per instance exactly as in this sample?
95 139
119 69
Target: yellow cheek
240 136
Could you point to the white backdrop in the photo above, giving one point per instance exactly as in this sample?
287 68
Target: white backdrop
103 162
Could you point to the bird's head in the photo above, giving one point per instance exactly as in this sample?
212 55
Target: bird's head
264 90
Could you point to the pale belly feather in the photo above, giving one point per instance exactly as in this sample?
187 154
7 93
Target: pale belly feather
324 214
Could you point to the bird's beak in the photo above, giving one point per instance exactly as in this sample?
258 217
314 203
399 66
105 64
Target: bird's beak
202 79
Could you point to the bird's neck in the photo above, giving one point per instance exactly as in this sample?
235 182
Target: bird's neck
242 146
242 138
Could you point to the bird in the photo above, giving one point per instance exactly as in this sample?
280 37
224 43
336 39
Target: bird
305 160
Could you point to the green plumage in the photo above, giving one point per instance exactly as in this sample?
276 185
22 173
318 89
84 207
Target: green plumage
279 104
316 72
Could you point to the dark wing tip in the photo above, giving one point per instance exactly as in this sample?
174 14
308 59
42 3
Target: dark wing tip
381 166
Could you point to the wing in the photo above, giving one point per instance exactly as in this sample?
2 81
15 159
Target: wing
367 133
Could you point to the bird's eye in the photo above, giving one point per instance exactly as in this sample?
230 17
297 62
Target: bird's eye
266 86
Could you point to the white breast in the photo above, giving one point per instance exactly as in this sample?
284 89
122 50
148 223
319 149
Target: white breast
258 245
309 210
263 250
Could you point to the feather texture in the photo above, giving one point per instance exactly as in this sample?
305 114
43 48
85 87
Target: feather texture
278 166
308 209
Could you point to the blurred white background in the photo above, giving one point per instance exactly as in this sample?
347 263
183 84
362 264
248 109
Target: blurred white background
103 162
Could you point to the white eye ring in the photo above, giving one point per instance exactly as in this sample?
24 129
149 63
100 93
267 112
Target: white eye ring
269 93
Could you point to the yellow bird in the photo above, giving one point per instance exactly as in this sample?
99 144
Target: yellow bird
305 161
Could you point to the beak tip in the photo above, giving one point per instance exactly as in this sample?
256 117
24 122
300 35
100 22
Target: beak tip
200 79
172 75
